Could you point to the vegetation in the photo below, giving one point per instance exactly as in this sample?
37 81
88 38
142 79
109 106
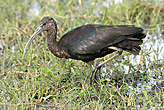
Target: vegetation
43 81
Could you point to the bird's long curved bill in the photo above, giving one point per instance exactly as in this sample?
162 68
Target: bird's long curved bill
38 30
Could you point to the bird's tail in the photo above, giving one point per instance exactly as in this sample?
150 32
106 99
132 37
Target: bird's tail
132 43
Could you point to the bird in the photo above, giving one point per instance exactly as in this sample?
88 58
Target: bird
90 41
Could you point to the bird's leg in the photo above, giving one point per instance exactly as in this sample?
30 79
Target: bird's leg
94 71
119 52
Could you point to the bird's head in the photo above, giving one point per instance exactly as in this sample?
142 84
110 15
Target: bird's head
45 25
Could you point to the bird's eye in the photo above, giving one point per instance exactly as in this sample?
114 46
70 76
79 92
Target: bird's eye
44 24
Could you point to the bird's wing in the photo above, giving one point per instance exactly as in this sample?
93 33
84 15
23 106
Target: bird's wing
89 39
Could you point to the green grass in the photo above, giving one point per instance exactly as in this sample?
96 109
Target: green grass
41 80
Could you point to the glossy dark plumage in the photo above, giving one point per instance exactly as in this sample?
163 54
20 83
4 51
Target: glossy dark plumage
88 42
92 41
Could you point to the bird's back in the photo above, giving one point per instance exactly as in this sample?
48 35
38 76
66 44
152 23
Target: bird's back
90 39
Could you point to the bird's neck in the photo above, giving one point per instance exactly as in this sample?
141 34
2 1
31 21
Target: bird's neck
55 47
51 40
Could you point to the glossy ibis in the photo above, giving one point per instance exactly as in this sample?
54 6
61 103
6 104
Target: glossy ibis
90 41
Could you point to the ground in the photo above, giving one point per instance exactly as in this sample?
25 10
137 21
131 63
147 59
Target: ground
43 81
